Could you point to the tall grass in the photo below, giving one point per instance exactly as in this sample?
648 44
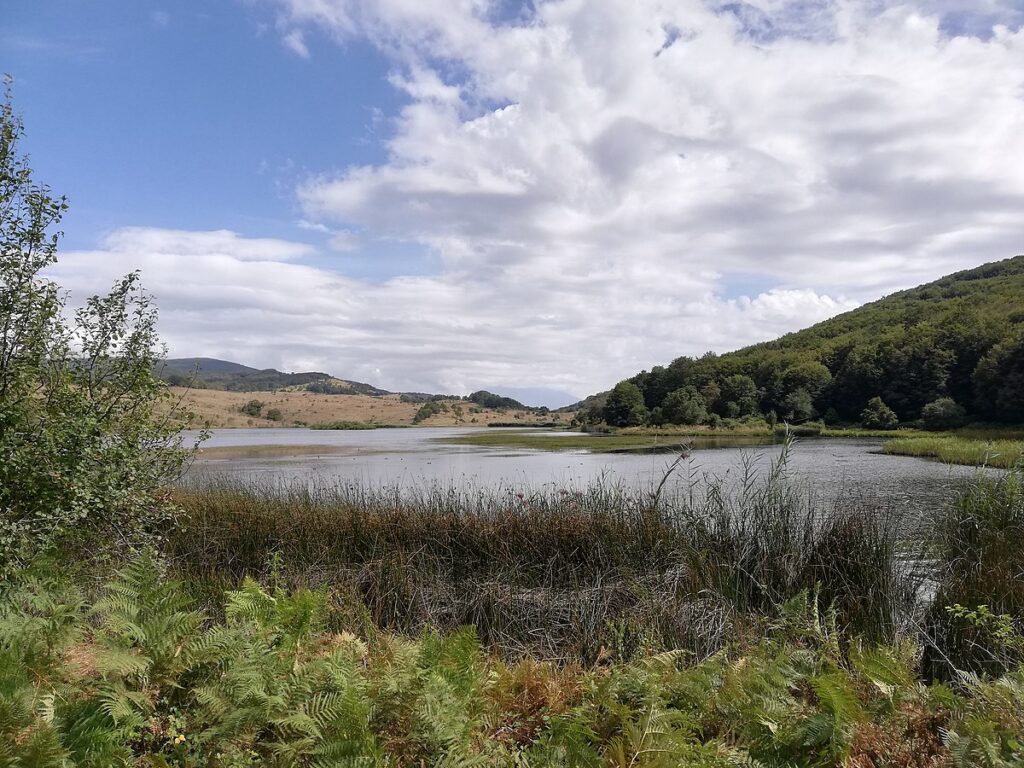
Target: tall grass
568 573
978 543
957 449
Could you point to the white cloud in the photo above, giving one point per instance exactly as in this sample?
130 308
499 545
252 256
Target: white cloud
591 175
295 41
248 300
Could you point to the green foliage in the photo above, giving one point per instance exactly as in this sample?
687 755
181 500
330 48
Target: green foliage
878 415
958 337
88 434
253 408
487 399
148 681
943 414
977 543
427 410
684 406
625 406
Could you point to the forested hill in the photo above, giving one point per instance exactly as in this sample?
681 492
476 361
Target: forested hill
210 373
960 338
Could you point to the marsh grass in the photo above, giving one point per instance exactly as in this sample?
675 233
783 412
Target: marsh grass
979 557
571 574
959 449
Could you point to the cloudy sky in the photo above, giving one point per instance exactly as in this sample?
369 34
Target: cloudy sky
537 198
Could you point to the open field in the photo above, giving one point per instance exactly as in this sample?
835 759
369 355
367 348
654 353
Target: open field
217 408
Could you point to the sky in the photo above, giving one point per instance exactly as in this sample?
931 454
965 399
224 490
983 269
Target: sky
538 199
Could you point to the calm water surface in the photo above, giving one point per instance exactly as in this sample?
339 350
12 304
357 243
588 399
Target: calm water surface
413 457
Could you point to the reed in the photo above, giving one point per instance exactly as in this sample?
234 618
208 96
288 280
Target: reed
570 573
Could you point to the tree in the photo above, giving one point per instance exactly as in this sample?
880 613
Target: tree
944 413
878 415
684 406
739 395
625 406
999 381
88 434
799 406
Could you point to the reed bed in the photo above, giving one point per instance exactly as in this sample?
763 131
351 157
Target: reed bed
957 449
571 574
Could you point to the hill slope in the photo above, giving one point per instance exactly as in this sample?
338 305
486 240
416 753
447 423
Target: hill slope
960 337
210 373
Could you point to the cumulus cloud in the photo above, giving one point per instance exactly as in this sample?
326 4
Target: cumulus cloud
590 175
249 300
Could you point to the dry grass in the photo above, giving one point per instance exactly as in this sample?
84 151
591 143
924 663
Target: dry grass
216 408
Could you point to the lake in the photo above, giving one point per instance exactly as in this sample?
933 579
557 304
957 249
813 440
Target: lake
414 457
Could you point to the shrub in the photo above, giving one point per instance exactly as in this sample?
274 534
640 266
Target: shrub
944 413
253 408
877 415
88 434
274 414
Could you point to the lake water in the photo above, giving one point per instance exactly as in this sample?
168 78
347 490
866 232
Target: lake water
413 458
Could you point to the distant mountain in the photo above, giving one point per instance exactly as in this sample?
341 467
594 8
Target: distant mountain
205 366
960 337
210 373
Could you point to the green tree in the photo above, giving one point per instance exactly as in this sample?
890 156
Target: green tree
878 415
88 434
944 413
684 406
625 406
799 406
739 395
999 381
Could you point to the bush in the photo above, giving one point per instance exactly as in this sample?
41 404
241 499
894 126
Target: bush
89 436
942 414
428 409
274 414
877 415
253 408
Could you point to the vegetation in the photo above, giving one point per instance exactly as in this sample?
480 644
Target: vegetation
151 678
86 445
617 442
348 425
490 400
625 406
959 338
955 449
878 415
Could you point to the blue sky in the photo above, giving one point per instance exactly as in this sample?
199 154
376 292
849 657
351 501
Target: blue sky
535 198
190 115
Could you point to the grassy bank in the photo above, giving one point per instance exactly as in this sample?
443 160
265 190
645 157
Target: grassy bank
141 676
959 449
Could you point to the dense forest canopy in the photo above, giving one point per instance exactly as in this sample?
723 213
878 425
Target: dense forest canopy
945 352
